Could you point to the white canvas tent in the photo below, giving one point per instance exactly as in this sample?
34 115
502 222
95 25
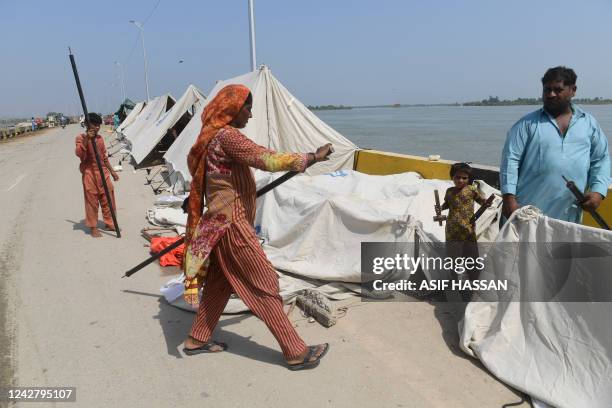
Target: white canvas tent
557 351
280 122
313 227
131 117
149 136
151 113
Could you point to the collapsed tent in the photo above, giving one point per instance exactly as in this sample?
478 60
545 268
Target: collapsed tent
176 118
313 226
557 351
153 110
131 117
280 122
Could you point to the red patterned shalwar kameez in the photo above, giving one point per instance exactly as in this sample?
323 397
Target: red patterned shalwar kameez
225 243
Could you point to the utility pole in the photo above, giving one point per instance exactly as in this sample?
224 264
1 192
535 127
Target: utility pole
144 55
123 93
252 36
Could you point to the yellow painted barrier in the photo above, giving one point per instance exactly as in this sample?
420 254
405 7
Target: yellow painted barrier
605 210
381 163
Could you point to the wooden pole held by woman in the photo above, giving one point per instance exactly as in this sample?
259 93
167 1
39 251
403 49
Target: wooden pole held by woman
178 243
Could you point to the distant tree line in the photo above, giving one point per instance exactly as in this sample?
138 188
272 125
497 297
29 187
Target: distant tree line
491 101
495 101
328 107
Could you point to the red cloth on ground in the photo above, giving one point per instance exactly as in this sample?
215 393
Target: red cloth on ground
172 258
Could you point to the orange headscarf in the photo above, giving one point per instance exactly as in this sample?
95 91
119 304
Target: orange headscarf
217 115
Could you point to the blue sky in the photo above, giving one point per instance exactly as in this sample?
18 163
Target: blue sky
325 52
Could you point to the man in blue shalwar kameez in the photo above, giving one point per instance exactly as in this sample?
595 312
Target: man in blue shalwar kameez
558 139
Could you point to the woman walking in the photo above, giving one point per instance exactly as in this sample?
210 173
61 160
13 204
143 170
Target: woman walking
223 254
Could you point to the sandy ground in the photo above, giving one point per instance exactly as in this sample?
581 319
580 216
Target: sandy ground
69 320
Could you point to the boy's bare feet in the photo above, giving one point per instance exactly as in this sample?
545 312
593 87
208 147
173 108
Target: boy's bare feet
95 233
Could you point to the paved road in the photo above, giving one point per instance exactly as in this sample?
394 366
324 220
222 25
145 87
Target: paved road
69 320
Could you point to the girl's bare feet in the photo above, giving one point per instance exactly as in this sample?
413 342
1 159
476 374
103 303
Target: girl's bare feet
95 233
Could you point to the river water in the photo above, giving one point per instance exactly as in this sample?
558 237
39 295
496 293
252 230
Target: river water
462 133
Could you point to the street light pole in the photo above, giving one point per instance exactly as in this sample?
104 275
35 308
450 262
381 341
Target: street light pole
114 85
144 55
122 80
252 36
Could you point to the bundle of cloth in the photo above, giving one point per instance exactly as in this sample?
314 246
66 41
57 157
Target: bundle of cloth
167 212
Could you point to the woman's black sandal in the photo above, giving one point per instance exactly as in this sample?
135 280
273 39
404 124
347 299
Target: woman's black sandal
307 363
205 348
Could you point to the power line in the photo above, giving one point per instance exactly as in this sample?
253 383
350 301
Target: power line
132 50
151 13
137 35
